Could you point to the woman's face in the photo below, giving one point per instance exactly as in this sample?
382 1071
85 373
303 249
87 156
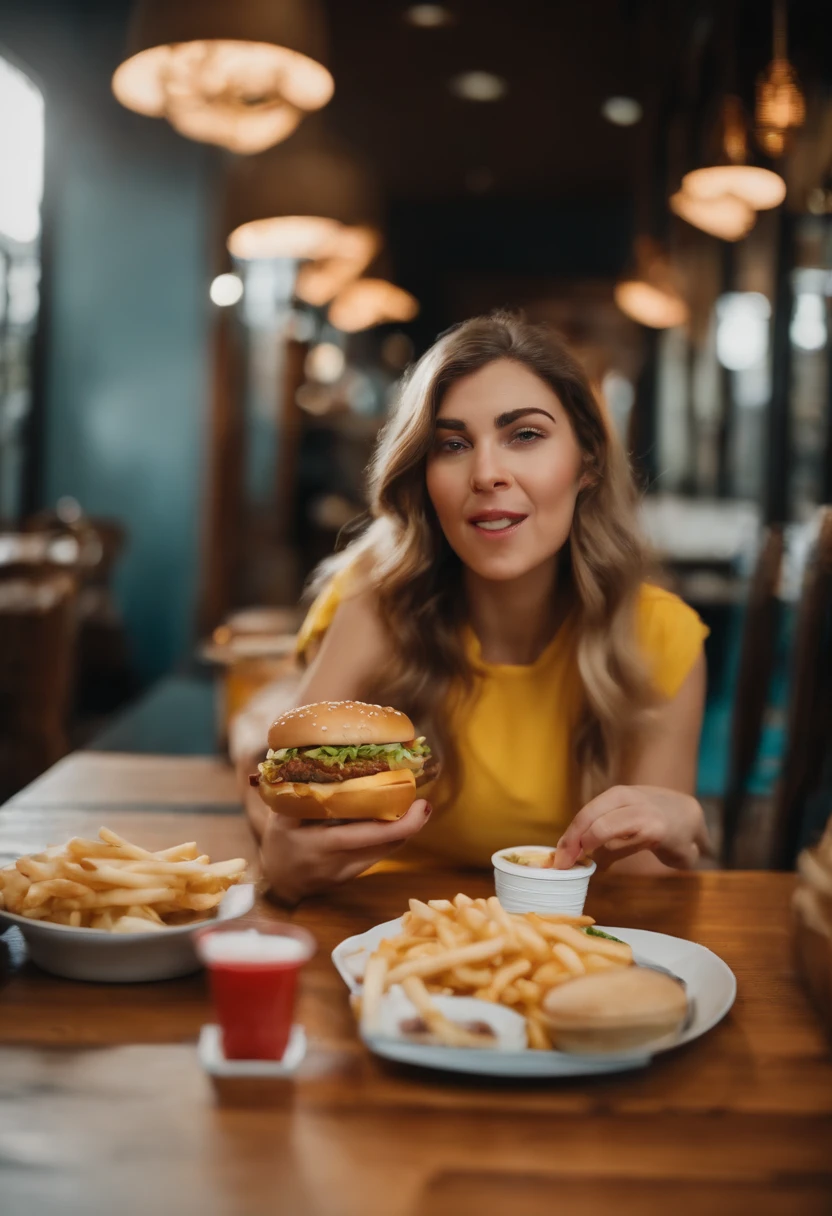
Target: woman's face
504 471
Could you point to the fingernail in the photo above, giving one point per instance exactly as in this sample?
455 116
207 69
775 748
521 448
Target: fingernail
428 809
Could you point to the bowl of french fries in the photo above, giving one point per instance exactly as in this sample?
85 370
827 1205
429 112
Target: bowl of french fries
111 911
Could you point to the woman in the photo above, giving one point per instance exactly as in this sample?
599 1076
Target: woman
499 598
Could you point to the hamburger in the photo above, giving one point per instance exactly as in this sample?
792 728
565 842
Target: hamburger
343 760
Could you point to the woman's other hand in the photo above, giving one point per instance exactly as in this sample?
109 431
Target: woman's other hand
300 859
631 819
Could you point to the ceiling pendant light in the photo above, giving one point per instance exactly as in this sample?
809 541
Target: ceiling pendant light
781 106
369 302
649 294
350 253
727 217
301 201
759 188
241 75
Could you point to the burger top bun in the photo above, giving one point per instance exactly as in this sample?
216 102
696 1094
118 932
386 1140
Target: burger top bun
615 1010
339 724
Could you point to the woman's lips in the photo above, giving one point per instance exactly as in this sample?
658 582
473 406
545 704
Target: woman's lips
496 525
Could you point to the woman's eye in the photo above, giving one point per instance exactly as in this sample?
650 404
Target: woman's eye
451 445
527 434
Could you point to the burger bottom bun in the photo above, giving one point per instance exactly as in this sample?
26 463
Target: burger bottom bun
615 1011
382 796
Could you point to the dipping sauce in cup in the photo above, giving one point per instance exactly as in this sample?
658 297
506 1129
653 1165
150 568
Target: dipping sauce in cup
254 977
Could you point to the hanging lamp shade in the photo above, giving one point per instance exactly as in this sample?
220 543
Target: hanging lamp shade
732 174
369 302
352 250
727 217
781 106
649 295
294 201
238 73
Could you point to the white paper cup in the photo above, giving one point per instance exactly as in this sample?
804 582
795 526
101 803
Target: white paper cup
532 889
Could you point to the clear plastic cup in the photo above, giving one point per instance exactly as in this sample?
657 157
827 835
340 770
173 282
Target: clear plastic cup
254 978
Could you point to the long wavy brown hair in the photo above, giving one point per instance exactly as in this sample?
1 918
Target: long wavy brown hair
418 579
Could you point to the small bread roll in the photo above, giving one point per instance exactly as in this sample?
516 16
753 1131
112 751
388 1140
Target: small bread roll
614 1011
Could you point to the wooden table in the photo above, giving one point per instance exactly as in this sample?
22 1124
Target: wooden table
103 1107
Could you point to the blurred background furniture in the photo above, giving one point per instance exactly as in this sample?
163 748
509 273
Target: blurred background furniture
105 678
812 907
756 663
37 662
805 784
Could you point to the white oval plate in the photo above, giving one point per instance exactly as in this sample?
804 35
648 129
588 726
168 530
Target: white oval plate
122 958
711 985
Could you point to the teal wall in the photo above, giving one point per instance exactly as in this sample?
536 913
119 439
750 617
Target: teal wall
129 230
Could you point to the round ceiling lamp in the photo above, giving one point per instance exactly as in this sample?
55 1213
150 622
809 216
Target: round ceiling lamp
479 86
352 250
296 201
428 16
727 217
622 111
649 295
241 75
759 188
369 302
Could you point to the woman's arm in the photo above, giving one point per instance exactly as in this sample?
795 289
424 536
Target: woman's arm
653 822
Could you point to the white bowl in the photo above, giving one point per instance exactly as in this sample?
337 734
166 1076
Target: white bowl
122 958
532 889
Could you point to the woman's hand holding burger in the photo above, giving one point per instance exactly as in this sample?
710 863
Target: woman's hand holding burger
346 762
300 859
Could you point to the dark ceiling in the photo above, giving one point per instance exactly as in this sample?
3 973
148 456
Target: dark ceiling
546 138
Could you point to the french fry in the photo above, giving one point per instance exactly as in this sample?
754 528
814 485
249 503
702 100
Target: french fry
443 1028
441 905
569 957
529 991
506 975
582 943
538 1034
472 977
115 885
561 918
598 962
375 975
434 964
551 974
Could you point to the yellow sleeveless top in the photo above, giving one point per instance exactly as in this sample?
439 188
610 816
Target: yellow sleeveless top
518 784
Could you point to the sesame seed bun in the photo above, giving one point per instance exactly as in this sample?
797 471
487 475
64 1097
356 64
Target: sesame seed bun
339 724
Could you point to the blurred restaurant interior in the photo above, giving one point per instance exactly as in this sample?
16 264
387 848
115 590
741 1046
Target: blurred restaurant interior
214 270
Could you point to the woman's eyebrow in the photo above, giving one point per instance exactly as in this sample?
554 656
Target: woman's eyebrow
503 420
450 424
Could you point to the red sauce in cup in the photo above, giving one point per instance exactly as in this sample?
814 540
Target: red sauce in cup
254 977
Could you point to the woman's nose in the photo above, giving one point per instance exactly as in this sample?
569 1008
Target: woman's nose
489 472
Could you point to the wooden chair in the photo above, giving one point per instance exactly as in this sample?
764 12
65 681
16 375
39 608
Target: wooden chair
809 737
757 653
37 658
